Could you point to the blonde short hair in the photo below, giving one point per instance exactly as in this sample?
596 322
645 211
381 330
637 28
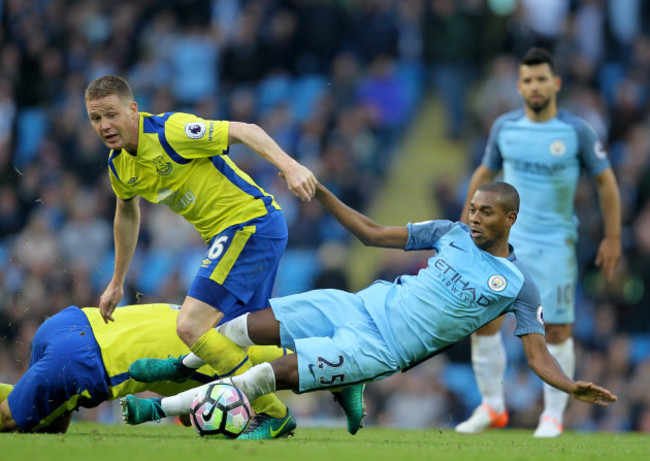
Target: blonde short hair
109 85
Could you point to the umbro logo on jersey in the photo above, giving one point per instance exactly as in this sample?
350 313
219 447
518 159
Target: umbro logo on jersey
133 181
453 245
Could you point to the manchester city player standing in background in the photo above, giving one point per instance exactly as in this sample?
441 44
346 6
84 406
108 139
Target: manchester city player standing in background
181 161
541 150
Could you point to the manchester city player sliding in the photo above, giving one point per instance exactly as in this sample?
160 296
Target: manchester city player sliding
344 339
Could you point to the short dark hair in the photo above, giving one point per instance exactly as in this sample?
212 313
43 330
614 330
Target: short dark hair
508 195
536 56
108 85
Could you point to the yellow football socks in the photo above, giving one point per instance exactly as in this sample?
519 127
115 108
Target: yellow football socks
227 358
261 354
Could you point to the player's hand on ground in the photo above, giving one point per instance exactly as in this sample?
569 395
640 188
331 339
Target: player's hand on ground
609 253
109 301
591 393
301 181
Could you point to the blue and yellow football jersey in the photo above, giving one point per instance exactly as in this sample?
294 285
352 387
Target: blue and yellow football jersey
79 361
143 330
182 162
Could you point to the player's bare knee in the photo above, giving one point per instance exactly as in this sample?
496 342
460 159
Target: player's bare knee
186 332
263 327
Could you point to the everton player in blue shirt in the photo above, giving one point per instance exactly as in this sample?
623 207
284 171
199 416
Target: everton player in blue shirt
541 150
346 339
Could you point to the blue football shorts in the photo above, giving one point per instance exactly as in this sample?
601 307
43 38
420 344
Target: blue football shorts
238 271
336 341
65 372
555 272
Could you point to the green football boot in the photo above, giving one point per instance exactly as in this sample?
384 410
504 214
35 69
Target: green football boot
265 427
151 370
137 411
351 400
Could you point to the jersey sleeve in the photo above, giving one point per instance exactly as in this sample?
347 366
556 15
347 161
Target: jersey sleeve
193 137
492 157
528 309
119 188
592 154
423 235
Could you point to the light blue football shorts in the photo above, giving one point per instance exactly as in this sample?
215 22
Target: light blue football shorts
555 272
336 341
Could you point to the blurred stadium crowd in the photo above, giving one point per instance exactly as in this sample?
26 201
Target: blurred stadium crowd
335 83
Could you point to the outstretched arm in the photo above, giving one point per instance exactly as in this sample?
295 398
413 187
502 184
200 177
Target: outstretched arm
125 229
546 367
609 250
365 229
300 180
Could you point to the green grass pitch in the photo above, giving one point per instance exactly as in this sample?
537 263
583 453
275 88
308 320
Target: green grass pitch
97 442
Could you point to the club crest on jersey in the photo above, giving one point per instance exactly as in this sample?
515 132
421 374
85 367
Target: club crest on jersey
195 130
540 314
557 148
162 168
497 283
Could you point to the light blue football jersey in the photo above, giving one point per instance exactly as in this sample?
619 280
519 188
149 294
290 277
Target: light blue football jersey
543 161
461 289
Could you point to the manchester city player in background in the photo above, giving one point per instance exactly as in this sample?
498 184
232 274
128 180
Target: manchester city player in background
342 339
181 161
541 150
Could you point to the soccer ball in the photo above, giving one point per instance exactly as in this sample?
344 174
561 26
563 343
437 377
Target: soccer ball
221 411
